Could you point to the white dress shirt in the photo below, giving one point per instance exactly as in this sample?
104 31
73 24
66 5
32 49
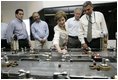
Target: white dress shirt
60 36
73 25
98 26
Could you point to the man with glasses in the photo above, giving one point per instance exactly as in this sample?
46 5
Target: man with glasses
92 26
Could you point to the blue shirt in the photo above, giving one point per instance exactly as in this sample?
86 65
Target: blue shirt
40 29
3 30
18 28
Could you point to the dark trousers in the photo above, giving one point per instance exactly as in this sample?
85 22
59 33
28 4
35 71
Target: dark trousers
73 42
95 43
5 44
23 43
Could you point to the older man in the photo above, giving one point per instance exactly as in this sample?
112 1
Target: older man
73 25
40 32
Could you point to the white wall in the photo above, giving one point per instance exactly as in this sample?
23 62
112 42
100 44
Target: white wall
8 9
47 4
27 22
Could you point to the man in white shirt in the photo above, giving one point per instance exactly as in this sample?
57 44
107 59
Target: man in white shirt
92 27
73 24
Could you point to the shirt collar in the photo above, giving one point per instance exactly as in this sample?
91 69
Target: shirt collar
92 15
19 20
75 19
62 28
38 21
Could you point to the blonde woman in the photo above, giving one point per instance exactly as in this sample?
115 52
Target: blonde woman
61 33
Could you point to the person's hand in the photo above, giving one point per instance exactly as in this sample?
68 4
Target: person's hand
43 41
60 51
64 51
84 46
29 44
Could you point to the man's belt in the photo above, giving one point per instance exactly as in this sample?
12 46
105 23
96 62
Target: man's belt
76 37
3 39
22 39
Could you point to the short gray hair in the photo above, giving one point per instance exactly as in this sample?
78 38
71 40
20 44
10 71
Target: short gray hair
77 9
35 13
87 3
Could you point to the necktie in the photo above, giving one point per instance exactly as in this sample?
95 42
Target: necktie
89 33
